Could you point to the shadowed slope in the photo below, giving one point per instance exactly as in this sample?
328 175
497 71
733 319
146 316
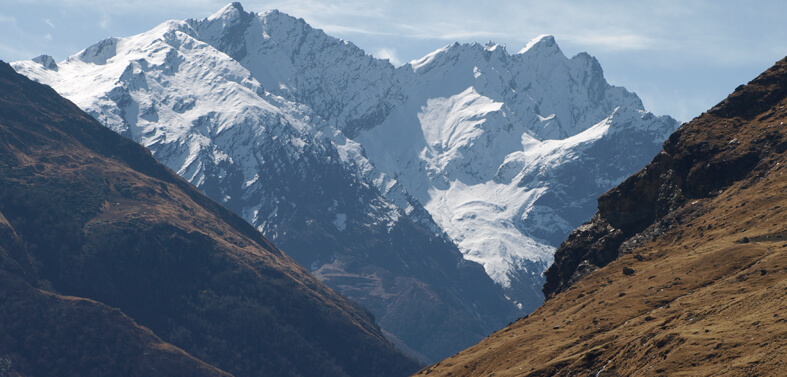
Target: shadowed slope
99 218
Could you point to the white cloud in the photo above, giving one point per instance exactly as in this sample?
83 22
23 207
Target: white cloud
616 42
106 20
7 20
318 9
388 53
340 29
668 41
476 35
9 53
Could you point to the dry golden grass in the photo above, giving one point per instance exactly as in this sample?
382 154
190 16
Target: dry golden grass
708 297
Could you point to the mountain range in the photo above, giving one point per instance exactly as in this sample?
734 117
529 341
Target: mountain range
113 265
681 271
434 193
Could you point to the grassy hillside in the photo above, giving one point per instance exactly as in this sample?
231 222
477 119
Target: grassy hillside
93 215
683 270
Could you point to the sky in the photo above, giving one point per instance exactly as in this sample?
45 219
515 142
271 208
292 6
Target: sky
680 57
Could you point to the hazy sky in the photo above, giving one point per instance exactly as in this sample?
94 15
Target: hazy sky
681 57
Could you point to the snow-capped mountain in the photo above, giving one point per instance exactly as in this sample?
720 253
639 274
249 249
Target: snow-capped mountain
372 176
269 159
509 152
444 132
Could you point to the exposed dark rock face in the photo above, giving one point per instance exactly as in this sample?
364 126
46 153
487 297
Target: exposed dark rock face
681 271
699 160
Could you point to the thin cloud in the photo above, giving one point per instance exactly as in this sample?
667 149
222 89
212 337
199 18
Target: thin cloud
443 31
340 29
49 22
106 19
465 35
318 10
653 40
9 53
390 54
447 34
7 20
617 42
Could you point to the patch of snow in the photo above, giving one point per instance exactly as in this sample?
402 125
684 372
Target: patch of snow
340 221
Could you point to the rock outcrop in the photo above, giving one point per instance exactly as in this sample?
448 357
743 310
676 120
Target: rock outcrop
682 269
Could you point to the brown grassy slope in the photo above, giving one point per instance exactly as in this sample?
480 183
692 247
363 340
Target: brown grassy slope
683 272
45 334
99 218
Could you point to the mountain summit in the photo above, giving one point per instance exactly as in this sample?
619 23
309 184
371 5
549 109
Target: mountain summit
437 190
682 269
112 265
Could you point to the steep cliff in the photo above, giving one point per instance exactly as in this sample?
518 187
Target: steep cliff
682 270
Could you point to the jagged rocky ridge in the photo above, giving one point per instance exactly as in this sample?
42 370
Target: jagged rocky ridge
682 269
372 175
696 163
109 261
263 158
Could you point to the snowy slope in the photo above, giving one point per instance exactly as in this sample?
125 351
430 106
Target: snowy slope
336 79
276 163
433 134
377 177
498 148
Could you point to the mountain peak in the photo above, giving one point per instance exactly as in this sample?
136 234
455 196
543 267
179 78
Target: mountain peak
46 61
492 46
468 105
226 29
704 223
452 52
100 52
277 17
762 93
226 260
541 43
228 12
275 12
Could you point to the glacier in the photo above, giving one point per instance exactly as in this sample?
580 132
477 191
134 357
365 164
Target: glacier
434 193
